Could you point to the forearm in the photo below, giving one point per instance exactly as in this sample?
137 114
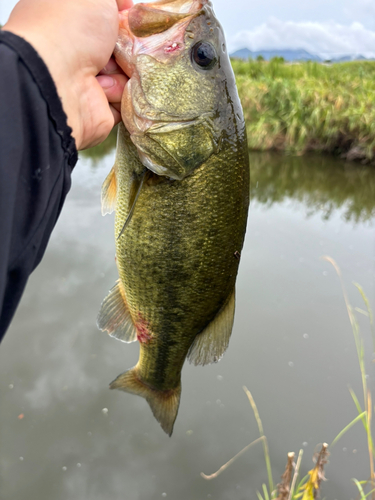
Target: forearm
37 154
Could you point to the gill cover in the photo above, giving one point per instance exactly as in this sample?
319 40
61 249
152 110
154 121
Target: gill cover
169 104
175 151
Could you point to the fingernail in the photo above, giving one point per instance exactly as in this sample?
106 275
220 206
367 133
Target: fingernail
106 82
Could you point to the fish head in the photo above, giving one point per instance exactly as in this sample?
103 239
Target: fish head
175 104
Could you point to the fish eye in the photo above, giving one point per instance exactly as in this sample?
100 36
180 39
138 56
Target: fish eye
204 54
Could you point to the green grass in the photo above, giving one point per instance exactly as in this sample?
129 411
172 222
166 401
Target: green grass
291 486
309 107
308 488
98 152
297 108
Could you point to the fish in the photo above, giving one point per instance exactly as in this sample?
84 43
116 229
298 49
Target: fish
180 190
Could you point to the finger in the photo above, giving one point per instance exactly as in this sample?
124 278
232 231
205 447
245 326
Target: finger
117 106
116 114
113 86
124 4
110 68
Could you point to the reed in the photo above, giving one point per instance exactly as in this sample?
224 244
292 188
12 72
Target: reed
309 106
291 487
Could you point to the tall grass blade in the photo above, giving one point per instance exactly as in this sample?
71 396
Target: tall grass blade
357 404
369 312
349 426
369 441
365 416
265 492
227 464
261 432
360 489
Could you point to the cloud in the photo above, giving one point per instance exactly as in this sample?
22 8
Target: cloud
362 7
326 39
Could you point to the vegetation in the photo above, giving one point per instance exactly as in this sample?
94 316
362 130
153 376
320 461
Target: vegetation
297 108
99 151
322 183
309 107
291 487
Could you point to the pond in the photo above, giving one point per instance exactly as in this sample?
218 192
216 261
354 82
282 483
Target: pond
64 435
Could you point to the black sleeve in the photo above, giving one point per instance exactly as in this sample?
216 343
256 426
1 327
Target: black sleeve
37 155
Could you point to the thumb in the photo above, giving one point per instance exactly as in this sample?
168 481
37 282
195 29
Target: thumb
124 4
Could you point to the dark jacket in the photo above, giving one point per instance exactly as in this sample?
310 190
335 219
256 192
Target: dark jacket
37 155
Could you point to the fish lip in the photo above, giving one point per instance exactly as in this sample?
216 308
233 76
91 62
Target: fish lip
176 6
181 10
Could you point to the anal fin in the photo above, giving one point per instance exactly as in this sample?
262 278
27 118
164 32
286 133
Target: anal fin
114 316
210 345
164 404
109 193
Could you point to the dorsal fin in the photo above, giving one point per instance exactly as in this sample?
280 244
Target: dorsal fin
210 345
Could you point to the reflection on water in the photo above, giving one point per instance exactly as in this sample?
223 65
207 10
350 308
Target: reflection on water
292 346
102 149
322 183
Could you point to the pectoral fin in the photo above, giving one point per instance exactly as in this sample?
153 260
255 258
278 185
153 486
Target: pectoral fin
109 193
114 316
164 404
210 345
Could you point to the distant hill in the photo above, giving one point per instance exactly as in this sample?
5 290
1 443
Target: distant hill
292 55
350 58
288 55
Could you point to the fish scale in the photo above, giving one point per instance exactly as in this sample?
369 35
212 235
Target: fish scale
178 251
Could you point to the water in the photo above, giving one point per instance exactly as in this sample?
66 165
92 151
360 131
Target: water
63 434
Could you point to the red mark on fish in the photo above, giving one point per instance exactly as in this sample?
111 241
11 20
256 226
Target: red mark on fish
143 333
172 47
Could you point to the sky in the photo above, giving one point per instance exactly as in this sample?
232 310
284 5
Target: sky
328 28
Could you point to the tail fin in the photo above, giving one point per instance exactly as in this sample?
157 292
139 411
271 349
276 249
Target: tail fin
164 404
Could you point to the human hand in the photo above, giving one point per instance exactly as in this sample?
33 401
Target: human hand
76 40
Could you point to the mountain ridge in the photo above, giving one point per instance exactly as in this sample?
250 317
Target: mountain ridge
291 55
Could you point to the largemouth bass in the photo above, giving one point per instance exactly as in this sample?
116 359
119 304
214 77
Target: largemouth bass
180 188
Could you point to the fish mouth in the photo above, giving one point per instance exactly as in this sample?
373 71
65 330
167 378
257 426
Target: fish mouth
151 19
147 19
146 26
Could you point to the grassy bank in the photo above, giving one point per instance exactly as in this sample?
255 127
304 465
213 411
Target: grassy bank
304 107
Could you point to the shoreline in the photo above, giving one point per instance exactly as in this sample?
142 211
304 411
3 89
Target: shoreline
309 107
